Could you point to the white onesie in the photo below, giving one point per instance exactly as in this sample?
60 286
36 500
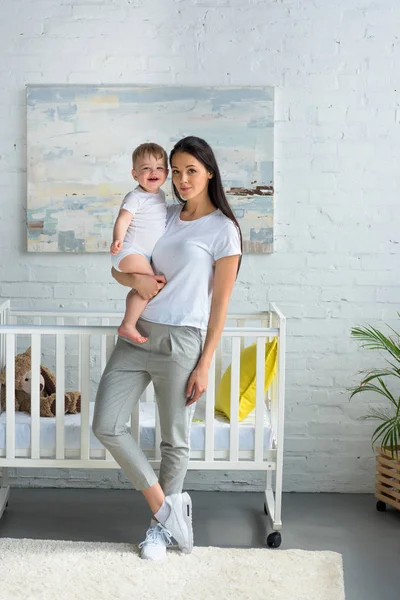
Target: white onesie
147 225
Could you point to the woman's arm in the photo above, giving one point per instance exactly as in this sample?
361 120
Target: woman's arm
224 279
147 286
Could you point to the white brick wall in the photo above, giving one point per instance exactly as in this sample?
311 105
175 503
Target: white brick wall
337 211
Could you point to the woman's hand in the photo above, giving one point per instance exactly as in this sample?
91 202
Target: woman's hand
197 384
147 286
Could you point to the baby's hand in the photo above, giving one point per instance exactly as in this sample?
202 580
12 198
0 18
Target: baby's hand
116 246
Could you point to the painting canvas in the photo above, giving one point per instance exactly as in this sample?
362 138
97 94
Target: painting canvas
80 141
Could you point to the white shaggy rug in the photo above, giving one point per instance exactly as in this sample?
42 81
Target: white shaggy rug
45 570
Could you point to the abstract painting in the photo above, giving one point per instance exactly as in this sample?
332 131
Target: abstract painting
80 141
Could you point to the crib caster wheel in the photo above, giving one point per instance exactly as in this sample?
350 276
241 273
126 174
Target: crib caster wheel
380 506
274 540
265 508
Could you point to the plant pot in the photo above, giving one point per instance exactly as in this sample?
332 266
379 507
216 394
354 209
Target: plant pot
387 486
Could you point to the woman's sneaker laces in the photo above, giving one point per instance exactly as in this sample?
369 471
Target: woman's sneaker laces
155 545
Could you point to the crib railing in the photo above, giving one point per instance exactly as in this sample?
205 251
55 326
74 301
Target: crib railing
4 319
272 324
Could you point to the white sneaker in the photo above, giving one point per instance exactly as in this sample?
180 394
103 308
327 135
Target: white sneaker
155 545
179 520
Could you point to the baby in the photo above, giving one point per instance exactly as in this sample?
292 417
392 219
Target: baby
140 223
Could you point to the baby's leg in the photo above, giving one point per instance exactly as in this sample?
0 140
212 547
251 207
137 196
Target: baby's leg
135 304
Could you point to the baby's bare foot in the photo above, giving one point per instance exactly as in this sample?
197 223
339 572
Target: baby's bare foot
130 332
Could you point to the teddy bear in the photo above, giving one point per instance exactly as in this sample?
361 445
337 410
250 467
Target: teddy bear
47 389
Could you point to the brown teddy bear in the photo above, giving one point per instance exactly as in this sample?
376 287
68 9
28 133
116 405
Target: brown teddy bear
47 389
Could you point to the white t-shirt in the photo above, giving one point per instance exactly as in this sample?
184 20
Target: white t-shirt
186 256
147 226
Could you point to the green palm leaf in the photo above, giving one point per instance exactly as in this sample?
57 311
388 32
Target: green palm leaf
372 388
379 413
375 340
374 373
376 381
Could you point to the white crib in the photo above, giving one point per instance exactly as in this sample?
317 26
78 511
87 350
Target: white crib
76 347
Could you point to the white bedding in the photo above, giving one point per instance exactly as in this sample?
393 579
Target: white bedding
147 419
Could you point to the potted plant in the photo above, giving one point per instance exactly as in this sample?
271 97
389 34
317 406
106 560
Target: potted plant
387 433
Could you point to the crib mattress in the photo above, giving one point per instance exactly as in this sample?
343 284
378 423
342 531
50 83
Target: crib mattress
147 431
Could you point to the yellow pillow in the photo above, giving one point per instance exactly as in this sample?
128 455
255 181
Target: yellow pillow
247 389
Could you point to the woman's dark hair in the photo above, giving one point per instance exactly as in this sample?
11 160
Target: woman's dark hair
202 151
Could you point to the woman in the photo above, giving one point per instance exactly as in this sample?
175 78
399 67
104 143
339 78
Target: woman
196 259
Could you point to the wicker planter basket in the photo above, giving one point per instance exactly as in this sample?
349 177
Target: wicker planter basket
387 487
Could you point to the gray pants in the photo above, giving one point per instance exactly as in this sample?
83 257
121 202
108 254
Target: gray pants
167 359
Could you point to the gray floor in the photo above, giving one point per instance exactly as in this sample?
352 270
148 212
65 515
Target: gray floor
368 540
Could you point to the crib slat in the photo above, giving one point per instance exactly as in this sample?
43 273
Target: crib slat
218 363
235 381
2 336
272 395
210 408
60 391
241 323
3 321
85 395
260 378
268 322
157 435
110 344
10 395
35 395
2 341
81 321
272 390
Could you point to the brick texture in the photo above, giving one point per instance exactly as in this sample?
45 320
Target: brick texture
336 263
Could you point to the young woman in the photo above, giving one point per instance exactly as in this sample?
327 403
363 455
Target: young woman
196 260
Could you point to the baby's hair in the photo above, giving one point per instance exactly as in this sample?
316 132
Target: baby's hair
149 149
